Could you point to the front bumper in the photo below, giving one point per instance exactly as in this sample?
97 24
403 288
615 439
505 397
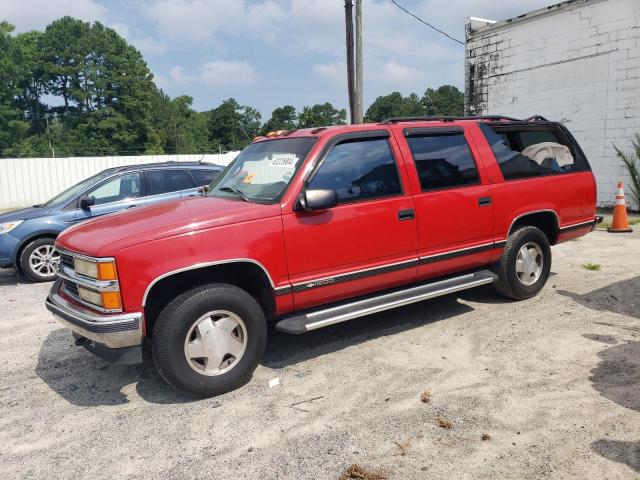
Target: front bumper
8 245
99 332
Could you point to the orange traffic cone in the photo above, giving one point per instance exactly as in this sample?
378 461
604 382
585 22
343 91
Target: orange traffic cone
620 222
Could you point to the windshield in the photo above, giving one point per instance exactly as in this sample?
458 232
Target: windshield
263 170
72 192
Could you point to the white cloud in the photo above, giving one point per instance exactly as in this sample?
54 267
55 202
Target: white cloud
335 72
37 14
194 19
217 74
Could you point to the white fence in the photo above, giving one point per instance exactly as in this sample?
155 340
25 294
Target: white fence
28 181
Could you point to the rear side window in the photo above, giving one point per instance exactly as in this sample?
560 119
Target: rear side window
359 170
535 151
165 181
443 161
204 177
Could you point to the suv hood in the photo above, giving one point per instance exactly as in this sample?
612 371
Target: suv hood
24 214
103 236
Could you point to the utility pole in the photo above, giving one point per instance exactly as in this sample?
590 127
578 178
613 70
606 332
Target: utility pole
358 109
53 152
348 17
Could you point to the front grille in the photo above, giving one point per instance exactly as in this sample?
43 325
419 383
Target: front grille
66 260
71 288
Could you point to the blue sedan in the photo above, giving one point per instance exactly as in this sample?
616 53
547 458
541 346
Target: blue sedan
27 236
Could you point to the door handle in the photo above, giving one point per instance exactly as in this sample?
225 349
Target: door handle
131 206
408 214
484 201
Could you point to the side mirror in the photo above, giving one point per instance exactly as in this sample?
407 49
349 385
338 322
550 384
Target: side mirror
318 199
204 189
86 202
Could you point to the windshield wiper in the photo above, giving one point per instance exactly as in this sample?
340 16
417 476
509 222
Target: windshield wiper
236 191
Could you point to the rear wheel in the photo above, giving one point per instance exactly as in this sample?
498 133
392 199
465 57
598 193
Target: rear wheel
39 259
525 264
209 340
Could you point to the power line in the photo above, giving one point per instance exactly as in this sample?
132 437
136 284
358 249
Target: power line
425 22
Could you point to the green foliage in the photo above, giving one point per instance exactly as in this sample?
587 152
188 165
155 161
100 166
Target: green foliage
446 100
282 118
321 115
394 105
78 88
594 267
631 163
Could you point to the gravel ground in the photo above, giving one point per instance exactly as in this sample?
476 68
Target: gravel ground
554 381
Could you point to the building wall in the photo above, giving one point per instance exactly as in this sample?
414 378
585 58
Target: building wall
28 181
577 62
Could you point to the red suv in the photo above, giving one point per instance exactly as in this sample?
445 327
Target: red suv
312 227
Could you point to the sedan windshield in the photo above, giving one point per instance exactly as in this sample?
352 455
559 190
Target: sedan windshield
263 170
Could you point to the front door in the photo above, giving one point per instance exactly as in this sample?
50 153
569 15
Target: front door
454 207
115 194
366 243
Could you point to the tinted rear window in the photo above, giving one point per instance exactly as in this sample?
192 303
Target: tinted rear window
533 151
443 161
204 177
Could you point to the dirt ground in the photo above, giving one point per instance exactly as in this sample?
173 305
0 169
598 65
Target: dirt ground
554 382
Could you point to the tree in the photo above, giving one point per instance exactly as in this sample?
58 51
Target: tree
321 115
394 105
282 118
446 100
233 126
12 126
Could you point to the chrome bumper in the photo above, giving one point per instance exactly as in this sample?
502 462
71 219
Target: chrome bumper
112 330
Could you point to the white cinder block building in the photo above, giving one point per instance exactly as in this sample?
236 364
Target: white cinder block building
577 62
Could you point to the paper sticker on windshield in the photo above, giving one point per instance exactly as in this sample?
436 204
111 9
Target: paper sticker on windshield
286 160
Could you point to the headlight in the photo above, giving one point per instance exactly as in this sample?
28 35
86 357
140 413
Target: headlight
8 226
108 300
95 269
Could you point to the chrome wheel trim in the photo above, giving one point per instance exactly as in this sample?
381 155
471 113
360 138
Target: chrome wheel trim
529 263
215 343
43 261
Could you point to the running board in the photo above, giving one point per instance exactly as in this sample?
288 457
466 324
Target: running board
305 322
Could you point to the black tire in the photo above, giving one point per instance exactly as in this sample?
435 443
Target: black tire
508 283
177 318
28 269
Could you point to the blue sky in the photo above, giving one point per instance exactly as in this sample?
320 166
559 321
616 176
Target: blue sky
268 53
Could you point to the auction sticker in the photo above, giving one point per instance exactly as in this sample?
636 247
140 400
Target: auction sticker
286 160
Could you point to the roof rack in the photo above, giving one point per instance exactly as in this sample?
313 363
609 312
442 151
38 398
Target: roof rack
448 118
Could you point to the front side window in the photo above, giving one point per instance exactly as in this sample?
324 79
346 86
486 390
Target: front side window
443 161
167 181
359 170
263 170
117 189
533 151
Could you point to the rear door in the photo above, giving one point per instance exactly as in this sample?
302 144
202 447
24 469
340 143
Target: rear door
366 243
452 198
168 184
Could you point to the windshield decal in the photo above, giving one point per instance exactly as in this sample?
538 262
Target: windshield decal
286 160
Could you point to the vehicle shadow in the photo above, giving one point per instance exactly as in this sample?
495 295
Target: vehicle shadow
285 350
620 297
9 276
616 377
84 380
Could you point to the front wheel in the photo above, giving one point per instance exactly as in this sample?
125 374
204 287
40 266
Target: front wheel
525 264
39 259
209 340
